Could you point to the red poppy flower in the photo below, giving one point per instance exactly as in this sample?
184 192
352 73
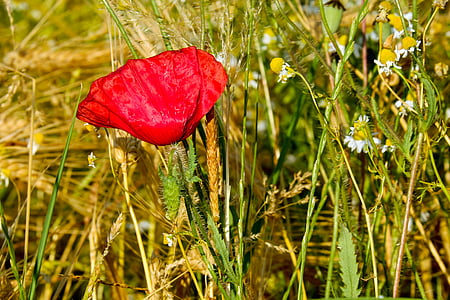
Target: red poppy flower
160 99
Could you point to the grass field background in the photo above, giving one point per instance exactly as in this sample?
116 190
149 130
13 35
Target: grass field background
333 167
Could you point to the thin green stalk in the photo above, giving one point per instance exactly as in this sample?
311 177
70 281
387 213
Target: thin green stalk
188 266
336 217
327 28
368 222
314 180
200 234
162 27
402 18
287 140
50 209
271 128
424 34
311 203
202 24
121 28
12 253
242 200
420 286
436 173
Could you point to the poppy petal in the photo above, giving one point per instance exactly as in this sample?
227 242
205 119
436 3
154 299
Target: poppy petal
160 99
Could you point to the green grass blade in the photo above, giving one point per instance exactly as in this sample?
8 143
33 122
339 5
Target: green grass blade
121 28
50 209
11 251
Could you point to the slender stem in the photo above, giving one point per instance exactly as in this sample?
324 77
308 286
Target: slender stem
242 200
121 28
272 130
365 68
310 209
136 228
424 35
29 179
336 217
162 27
368 223
11 251
412 181
50 209
188 265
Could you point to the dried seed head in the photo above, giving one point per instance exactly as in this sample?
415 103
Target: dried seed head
124 146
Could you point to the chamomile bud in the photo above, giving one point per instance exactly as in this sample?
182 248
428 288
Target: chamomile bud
333 14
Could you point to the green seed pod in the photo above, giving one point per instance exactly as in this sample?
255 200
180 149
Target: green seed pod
333 14
171 195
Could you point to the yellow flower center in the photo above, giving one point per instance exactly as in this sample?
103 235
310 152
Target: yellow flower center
385 5
360 132
395 21
360 135
387 55
5 172
408 42
269 32
343 40
276 65
38 138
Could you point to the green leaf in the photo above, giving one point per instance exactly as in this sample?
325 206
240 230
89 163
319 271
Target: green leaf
222 250
349 266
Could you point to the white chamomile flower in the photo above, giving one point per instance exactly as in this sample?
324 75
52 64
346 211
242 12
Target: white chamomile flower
388 147
268 39
358 139
169 239
282 68
388 60
397 25
404 107
341 42
409 45
91 160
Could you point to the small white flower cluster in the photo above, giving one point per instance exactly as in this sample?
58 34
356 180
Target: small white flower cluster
168 239
399 33
91 160
403 53
404 107
403 45
332 49
285 73
387 148
357 139
386 68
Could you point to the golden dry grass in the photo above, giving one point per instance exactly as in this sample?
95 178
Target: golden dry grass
53 50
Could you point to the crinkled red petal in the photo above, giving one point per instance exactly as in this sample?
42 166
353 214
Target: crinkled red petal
160 99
